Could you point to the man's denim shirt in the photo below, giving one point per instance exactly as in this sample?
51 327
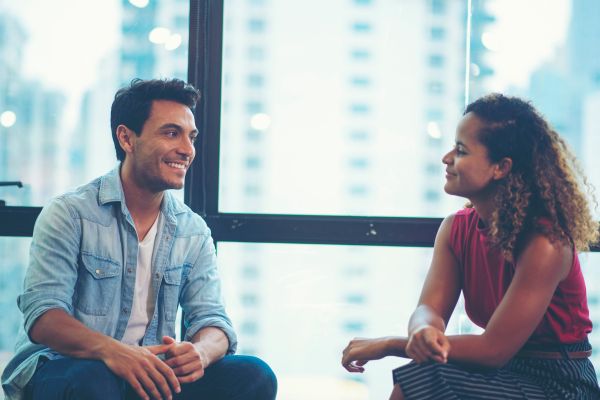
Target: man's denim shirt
83 259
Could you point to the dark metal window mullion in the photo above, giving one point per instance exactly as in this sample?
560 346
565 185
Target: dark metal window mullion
204 72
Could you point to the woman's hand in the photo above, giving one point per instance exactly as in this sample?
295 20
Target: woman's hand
360 351
428 343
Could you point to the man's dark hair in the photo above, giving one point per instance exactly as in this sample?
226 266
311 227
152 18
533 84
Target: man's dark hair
132 104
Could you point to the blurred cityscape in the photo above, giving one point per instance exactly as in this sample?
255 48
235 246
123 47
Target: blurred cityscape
339 108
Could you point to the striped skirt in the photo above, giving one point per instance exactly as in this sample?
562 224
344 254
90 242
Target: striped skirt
520 379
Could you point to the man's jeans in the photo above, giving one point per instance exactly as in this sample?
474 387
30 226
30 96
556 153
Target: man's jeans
231 378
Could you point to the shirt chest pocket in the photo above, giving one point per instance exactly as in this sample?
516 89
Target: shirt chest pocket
97 283
172 284
172 280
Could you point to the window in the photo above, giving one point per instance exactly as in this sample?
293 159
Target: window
438 7
353 327
354 298
256 80
57 112
317 151
254 107
360 81
358 190
592 281
435 114
54 107
256 53
318 297
253 135
360 108
12 272
435 87
437 33
436 60
359 135
358 163
256 25
362 27
253 162
360 54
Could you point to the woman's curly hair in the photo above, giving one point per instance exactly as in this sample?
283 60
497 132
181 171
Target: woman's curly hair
545 184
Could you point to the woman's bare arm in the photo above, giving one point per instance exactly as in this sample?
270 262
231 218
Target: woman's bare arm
438 298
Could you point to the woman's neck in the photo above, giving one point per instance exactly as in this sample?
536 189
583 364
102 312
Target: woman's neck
485 206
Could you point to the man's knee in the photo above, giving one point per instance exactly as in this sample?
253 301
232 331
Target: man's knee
75 379
98 382
263 375
255 379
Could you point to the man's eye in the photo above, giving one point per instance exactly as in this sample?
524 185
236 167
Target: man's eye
193 138
171 133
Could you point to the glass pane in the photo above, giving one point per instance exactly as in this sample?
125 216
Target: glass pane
297 306
554 61
590 263
13 264
59 72
347 110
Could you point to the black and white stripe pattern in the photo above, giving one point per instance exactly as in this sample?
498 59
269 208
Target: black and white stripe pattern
530 379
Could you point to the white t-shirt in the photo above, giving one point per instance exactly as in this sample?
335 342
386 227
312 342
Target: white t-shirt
143 306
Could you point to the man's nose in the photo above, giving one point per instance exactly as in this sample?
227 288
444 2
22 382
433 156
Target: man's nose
186 146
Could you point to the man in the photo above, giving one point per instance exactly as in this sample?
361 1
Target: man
111 262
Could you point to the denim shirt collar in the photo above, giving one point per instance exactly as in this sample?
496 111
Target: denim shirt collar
111 191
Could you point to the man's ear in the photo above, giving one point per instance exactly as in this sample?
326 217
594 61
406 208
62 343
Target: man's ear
503 168
126 138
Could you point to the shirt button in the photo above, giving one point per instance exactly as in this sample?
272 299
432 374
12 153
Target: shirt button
98 272
124 310
157 275
129 270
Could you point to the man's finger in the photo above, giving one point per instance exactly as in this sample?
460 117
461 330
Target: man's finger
164 378
168 374
178 349
150 386
187 369
182 359
137 386
168 340
158 348
192 377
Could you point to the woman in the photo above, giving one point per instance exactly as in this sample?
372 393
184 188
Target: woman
513 253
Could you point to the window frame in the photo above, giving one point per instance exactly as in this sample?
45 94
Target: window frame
202 180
